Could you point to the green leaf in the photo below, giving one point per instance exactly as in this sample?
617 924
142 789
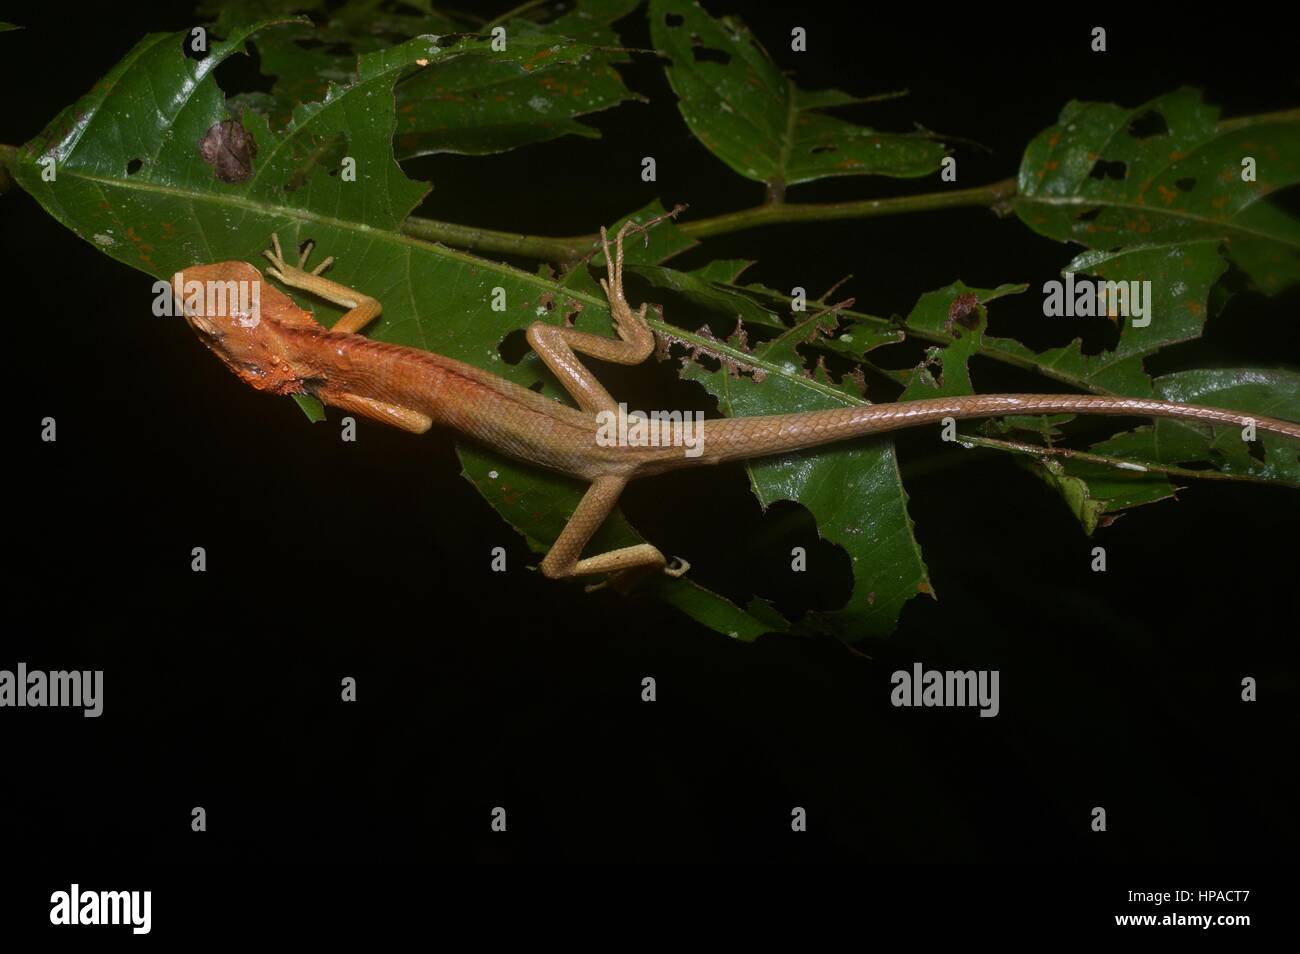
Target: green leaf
749 115
859 332
487 103
1251 391
311 407
1166 172
649 247
941 311
1096 493
1122 472
172 211
716 296
853 490
547 500
1181 276
474 99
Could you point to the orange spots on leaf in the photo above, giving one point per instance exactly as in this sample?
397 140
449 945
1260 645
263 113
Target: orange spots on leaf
1168 194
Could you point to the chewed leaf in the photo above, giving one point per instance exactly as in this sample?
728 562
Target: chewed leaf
1166 293
1167 172
1259 455
753 118
484 95
853 490
1096 493
959 312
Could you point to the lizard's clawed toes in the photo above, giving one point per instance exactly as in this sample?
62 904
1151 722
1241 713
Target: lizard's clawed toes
677 568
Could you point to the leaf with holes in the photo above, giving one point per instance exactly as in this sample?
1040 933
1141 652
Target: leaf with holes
1264 457
1098 493
1132 468
961 313
477 98
853 490
137 175
752 117
1167 172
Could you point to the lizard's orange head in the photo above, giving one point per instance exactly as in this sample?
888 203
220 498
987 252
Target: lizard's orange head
228 304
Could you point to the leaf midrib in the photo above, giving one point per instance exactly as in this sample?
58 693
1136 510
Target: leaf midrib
1225 225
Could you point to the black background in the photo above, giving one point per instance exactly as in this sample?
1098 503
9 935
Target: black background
479 689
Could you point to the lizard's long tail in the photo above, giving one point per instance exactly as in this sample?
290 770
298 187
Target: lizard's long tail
743 437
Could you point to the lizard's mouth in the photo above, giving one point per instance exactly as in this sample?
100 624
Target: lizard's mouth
203 326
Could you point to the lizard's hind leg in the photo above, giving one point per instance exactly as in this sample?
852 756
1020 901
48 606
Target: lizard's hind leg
559 346
627 564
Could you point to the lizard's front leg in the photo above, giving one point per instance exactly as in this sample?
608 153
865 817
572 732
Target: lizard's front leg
362 309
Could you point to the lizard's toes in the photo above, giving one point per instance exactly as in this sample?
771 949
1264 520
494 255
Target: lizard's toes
678 567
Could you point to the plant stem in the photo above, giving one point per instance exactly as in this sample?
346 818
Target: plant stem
1281 116
567 248
1038 450
511 14
780 212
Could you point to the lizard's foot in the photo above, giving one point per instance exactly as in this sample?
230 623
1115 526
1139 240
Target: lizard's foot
290 274
630 226
624 581
614 263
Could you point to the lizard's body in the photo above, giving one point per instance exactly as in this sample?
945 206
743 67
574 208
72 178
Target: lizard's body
287 351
